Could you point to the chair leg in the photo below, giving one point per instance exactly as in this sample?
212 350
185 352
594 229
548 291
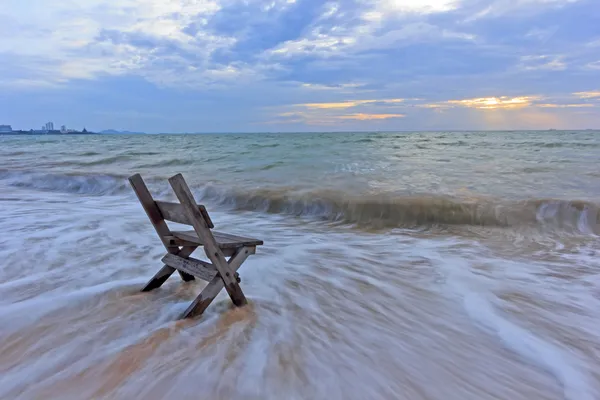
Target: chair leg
165 272
204 299
159 278
215 286
186 277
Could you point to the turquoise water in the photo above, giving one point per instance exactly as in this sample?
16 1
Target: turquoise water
391 261
516 165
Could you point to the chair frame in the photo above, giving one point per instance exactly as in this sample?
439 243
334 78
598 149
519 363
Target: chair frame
221 272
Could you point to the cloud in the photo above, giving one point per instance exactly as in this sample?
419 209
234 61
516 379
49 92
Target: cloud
319 119
491 103
336 87
344 104
517 103
380 109
594 94
84 40
499 8
350 62
547 62
349 104
414 6
368 117
338 112
580 105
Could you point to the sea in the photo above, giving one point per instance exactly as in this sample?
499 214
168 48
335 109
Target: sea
395 265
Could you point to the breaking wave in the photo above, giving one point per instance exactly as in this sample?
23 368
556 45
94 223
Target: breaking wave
393 211
368 211
79 184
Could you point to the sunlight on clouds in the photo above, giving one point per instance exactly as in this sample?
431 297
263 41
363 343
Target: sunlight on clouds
333 113
588 95
512 103
369 117
433 106
345 104
318 118
491 103
328 113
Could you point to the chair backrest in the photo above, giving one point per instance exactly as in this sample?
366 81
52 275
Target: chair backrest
160 211
174 212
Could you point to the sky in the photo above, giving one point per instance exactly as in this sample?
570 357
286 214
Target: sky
300 65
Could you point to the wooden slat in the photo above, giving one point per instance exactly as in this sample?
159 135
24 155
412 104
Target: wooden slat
198 268
213 252
211 290
155 216
175 241
224 240
174 212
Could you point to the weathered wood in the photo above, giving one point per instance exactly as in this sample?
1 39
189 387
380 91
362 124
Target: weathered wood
174 212
211 247
198 268
166 271
224 240
218 245
152 211
175 241
213 288
156 218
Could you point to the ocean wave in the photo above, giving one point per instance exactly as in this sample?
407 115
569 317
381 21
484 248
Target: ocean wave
175 162
363 211
551 145
106 161
391 211
79 184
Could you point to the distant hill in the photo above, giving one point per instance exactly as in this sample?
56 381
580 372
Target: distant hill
115 132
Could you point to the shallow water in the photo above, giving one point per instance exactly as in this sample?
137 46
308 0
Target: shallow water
459 265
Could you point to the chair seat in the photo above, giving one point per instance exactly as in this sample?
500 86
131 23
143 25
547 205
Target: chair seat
224 240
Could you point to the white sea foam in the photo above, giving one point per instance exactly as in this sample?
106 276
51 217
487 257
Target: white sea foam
476 293
538 351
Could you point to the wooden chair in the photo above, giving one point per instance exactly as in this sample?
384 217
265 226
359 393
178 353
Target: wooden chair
181 244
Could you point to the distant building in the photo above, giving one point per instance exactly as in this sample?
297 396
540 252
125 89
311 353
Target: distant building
50 126
63 129
5 128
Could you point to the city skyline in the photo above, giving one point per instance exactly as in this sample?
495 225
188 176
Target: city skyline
300 65
47 127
